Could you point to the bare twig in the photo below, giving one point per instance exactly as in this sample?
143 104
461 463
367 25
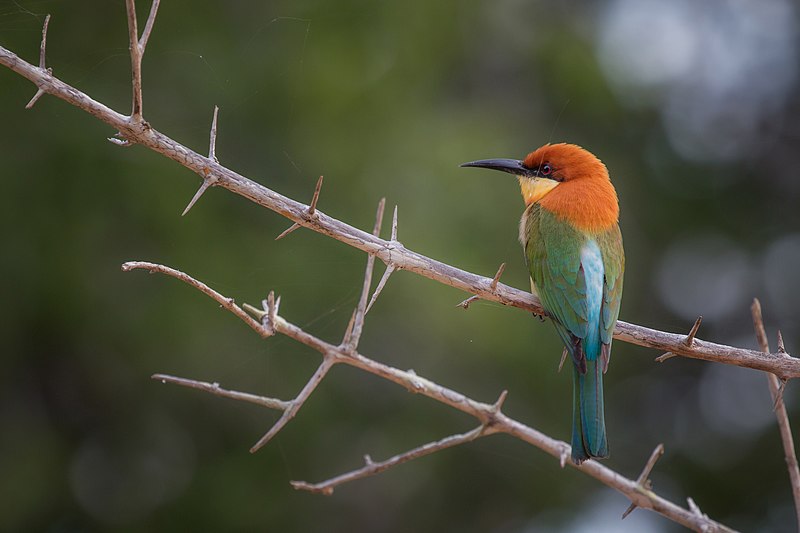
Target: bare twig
136 61
137 47
388 252
227 303
148 27
776 387
490 416
371 468
216 390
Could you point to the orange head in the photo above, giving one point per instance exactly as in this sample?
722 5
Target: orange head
566 180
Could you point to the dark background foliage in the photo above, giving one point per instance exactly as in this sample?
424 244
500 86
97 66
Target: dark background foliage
693 106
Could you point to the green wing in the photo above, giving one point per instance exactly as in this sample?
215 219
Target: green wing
553 252
610 244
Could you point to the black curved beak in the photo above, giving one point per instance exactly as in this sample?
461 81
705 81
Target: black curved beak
512 166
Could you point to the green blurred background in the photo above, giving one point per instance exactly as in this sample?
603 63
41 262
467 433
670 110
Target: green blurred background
693 106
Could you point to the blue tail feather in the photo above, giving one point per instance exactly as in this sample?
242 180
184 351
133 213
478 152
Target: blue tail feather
588 421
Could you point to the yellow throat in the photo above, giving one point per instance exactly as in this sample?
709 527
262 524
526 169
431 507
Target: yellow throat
534 189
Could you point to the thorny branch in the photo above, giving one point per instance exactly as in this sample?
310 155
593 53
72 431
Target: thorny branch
371 468
491 417
133 129
392 253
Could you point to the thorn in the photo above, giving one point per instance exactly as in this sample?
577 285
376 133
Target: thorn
664 356
498 405
394 224
207 182
699 514
368 460
376 230
212 141
39 94
643 480
120 141
689 341
629 510
692 506
287 231
44 42
703 526
658 451
272 310
386 273
313 207
493 285
781 347
465 303
563 358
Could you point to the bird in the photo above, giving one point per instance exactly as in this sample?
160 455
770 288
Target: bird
573 249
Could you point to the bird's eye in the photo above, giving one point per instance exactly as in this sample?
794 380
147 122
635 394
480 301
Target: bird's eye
546 169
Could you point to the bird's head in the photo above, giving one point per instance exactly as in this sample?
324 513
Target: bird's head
565 179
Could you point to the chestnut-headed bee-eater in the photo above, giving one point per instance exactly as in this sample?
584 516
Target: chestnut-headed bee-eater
573 248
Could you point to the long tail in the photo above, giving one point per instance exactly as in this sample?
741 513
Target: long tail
588 421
